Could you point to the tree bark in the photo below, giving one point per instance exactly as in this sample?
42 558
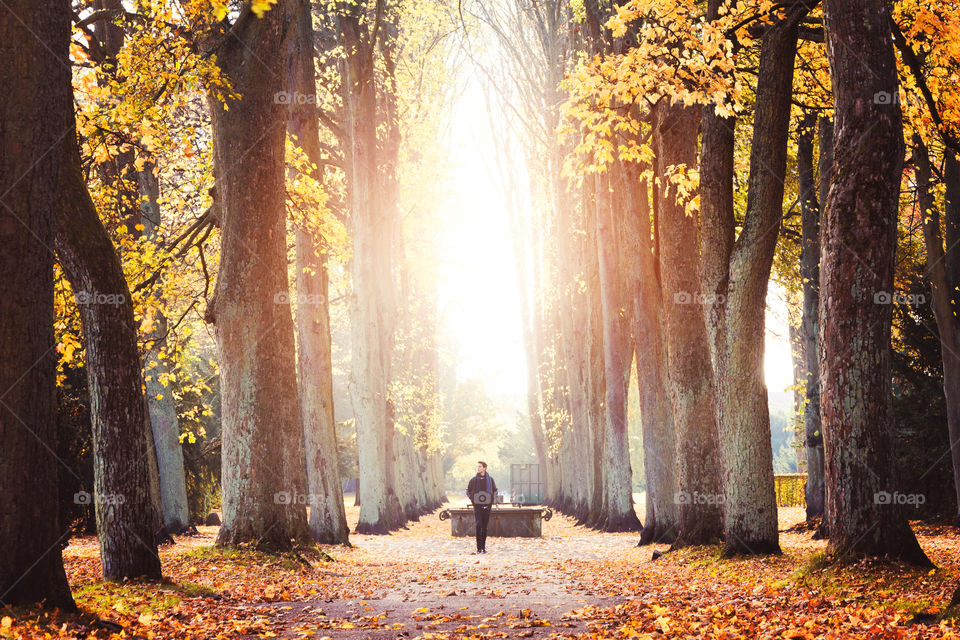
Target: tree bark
810 276
740 272
952 223
943 289
35 115
165 427
161 407
617 482
699 497
798 358
263 456
856 280
328 523
656 415
122 442
372 302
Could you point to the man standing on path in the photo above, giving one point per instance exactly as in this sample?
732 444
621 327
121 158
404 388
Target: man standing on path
481 490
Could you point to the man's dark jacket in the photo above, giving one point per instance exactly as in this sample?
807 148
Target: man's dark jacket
478 484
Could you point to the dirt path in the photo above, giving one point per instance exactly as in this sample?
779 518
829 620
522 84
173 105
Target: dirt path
432 584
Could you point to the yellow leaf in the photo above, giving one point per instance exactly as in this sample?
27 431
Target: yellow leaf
664 624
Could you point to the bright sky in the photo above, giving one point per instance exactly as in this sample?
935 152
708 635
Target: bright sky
479 297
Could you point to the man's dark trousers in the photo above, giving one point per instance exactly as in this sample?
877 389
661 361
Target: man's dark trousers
482 515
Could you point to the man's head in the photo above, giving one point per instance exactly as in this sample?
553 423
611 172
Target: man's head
482 467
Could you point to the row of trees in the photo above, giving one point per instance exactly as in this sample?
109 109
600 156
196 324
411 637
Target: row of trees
122 212
687 142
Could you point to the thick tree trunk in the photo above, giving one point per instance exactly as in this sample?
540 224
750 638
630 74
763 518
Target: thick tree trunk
617 485
699 493
404 470
263 456
35 115
810 276
656 415
591 507
328 523
859 237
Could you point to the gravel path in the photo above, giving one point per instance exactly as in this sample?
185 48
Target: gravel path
434 586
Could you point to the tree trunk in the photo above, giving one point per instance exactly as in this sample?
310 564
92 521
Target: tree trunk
798 358
161 407
810 276
328 522
740 274
617 487
263 457
942 287
856 281
35 114
126 516
656 415
699 498
372 304
952 223
532 320
165 427
591 507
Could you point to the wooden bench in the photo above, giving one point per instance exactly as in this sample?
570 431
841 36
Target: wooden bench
505 522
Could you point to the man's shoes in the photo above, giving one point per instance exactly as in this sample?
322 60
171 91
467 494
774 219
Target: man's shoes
483 550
